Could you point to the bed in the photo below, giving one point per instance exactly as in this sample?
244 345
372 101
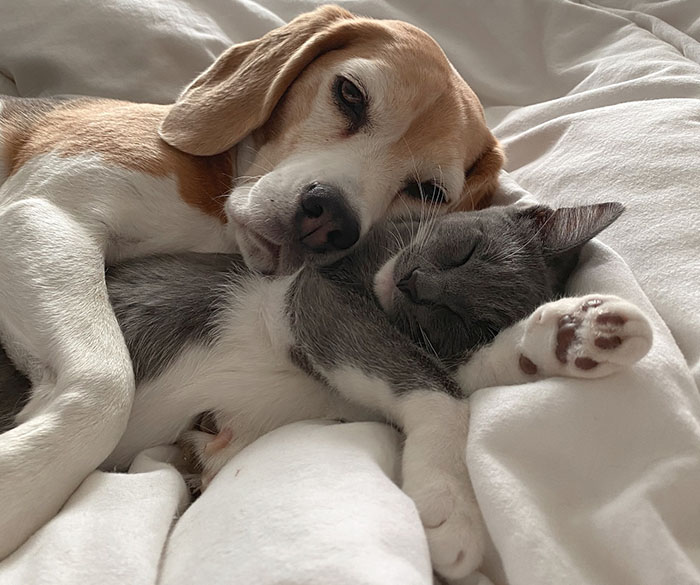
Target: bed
580 482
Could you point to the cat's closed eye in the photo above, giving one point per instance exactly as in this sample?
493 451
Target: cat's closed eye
465 254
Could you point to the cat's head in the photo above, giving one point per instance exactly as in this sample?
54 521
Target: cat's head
475 273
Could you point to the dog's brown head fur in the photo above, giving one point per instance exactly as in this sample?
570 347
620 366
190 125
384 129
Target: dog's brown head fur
421 139
311 134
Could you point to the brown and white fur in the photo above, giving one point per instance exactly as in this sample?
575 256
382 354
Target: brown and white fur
91 181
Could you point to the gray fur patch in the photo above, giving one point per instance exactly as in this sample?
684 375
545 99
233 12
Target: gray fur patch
167 303
335 326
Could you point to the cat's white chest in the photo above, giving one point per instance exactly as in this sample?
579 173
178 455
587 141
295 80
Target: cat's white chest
247 373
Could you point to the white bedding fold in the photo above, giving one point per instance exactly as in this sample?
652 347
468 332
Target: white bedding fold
111 532
323 489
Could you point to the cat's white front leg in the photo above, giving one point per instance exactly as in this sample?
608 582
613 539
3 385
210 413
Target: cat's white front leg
590 336
435 476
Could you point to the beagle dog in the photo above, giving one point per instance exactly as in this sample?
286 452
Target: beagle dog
287 149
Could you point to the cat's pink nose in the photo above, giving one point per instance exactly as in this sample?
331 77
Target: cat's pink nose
407 285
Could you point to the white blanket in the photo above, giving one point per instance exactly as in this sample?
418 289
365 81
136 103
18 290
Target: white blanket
594 482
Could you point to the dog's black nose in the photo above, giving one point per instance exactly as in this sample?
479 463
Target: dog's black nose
408 285
325 222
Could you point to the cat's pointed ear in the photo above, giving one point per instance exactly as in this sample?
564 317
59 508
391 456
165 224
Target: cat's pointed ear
568 228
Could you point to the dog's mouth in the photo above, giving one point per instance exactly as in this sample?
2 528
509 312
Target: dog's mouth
267 246
259 252
265 255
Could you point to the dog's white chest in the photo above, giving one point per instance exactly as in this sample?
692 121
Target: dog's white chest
130 213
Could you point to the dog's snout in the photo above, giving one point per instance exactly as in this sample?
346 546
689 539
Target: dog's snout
325 222
408 285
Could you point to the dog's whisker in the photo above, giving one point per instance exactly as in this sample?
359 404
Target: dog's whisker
266 160
262 167
245 178
470 194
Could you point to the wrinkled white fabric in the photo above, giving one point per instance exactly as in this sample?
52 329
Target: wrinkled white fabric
325 491
594 482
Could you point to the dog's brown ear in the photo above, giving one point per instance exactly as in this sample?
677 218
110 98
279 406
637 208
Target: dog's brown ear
482 178
239 91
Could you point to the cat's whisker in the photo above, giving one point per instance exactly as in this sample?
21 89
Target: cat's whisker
397 233
433 212
419 230
416 177
422 215
434 203
410 221
397 240
423 222
427 341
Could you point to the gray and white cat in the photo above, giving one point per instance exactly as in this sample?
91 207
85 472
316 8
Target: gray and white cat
402 329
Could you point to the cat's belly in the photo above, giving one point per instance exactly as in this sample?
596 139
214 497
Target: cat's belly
246 376
256 397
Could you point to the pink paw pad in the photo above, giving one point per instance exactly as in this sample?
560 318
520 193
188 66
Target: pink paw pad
219 442
568 333
527 366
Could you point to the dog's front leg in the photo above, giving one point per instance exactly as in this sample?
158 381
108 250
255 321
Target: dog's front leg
54 305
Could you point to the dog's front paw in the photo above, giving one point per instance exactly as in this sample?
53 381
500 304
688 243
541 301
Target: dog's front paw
452 521
584 337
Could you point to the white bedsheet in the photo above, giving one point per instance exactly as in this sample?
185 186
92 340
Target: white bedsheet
580 482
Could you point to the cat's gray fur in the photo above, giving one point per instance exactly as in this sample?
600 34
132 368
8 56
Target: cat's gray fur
518 259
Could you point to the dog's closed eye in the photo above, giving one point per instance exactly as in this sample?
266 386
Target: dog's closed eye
351 101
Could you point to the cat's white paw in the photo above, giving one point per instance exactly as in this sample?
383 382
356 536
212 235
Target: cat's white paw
452 521
584 337
209 452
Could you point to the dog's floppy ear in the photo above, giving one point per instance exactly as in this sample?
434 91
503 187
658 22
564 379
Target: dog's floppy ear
481 179
239 91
